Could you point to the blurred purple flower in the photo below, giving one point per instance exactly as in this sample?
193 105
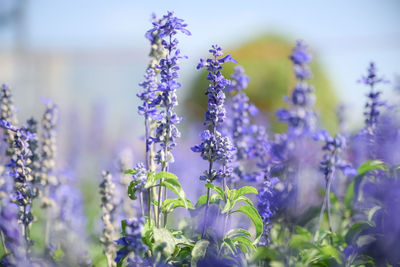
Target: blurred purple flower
300 116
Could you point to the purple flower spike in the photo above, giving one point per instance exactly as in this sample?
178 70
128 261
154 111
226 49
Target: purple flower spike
166 133
215 148
300 116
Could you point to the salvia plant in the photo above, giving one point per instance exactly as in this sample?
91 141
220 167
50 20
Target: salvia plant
300 197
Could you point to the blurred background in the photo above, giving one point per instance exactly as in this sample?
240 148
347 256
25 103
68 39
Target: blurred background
89 56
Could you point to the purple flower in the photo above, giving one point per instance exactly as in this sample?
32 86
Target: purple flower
49 144
13 239
131 241
331 159
108 207
140 177
149 96
19 170
238 124
7 111
267 205
300 116
215 113
372 107
215 148
69 224
34 159
167 132
300 56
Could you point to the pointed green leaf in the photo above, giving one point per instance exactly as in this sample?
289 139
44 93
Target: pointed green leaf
167 175
172 203
264 253
245 199
229 244
253 214
150 180
176 188
132 190
130 171
330 252
217 189
370 165
244 240
237 231
300 241
228 206
214 198
348 199
246 190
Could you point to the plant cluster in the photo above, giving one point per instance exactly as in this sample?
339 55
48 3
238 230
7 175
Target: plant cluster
302 197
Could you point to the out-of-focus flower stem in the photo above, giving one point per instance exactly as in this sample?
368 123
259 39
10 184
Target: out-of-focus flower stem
3 242
207 203
326 204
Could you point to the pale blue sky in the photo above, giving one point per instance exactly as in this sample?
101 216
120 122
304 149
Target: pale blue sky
345 35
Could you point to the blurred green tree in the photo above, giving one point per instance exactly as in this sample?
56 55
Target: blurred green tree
266 62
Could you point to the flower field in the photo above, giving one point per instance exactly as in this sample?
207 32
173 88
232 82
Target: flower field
304 196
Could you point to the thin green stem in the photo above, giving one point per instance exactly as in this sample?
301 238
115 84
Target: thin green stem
141 202
206 213
325 205
3 242
159 204
149 204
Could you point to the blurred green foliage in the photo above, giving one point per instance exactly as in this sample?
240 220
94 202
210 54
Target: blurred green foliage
266 62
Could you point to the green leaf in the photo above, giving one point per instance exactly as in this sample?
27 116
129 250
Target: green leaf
214 198
245 199
253 214
123 226
230 204
330 252
237 231
172 203
264 253
132 190
164 241
150 180
301 241
176 187
246 190
348 199
370 165
304 232
355 230
217 189
199 251
244 240
130 171
58 255
229 244
168 175
201 201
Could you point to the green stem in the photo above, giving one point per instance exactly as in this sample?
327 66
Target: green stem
206 213
159 204
3 242
149 204
141 203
